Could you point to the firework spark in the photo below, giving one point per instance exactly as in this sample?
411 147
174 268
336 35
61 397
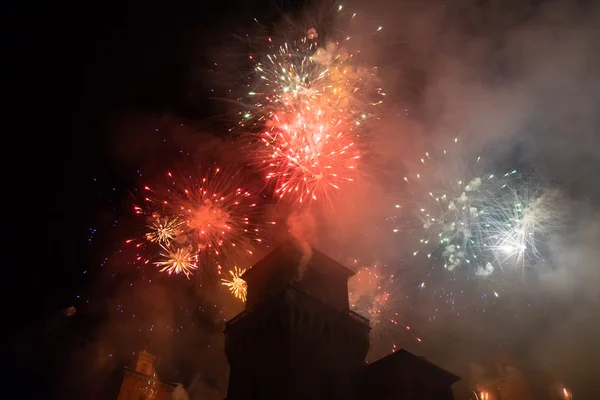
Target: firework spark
214 215
520 219
376 296
310 105
237 286
178 261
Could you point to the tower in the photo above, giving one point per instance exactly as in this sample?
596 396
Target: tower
297 337
145 363
141 383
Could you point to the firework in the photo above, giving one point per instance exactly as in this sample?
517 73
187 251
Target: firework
481 220
310 105
448 198
237 286
164 230
207 218
178 261
518 220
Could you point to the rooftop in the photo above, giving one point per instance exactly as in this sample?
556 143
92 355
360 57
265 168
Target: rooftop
403 357
289 253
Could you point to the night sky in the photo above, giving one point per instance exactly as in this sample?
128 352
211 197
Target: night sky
82 70
106 95
83 76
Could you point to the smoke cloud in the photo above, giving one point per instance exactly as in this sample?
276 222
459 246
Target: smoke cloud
302 227
520 83
179 393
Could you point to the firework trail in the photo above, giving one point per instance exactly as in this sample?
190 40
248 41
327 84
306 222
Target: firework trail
479 220
309 105
198 220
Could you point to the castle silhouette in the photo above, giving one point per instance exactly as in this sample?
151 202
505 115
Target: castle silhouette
298 339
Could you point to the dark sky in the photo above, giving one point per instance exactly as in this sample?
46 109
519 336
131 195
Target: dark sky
92 88
78 68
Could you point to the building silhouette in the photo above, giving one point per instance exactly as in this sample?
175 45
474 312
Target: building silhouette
298 339
142 383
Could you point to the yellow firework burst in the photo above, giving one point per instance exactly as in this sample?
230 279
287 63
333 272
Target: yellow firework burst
236 284
179 261
164 230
